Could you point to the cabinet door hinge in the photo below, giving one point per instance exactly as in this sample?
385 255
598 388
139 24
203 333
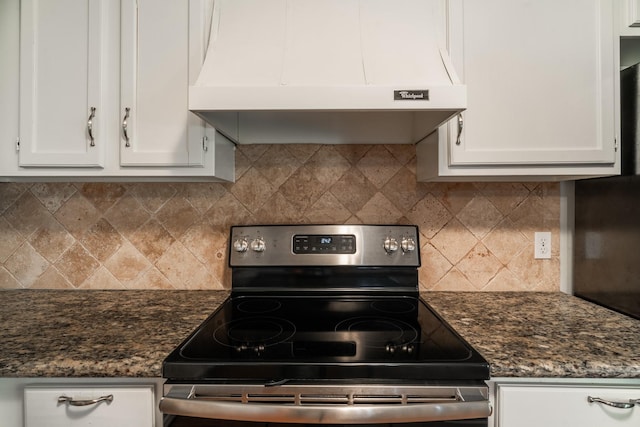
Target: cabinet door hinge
18 144
205 147
615 144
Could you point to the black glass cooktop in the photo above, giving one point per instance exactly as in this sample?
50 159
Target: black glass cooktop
271 339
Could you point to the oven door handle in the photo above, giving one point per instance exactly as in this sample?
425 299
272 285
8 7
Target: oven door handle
325 414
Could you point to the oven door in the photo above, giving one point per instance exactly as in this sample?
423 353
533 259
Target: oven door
380 405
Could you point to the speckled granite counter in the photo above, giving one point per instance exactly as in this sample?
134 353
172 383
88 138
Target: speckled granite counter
543 334
96 333
128 333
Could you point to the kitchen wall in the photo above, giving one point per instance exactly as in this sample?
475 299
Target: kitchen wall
475 236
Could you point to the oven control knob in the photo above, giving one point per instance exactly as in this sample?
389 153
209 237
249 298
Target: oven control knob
241 245
390 245
258 245
408 244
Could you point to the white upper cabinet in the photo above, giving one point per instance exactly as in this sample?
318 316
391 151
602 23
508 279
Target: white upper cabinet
542 79
61 84
162 50
629 14
103 92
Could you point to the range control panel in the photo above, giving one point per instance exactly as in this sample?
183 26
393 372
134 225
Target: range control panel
324 245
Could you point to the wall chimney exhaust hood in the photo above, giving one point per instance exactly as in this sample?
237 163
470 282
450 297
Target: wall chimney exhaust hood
326 72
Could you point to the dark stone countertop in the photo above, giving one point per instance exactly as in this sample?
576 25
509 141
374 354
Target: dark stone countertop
53 333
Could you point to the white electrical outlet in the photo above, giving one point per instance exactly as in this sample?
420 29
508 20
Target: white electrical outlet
542 241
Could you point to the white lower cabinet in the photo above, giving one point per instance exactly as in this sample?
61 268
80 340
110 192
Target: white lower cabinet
569 404
100 406
46 402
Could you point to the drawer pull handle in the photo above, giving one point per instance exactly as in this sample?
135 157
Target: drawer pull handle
70 401
620 405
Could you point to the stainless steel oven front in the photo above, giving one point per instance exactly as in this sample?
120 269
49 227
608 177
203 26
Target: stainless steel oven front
325 326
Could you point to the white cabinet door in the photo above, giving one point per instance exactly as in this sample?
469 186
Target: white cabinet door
540 78
162 49
542 82
562 406
131 406
632 12
61 83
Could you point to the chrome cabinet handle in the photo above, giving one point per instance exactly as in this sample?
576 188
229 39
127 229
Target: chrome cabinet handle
90 126
620 405
71 401
124 127
460 127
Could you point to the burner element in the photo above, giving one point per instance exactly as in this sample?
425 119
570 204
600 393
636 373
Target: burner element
382 332
394 306
254 334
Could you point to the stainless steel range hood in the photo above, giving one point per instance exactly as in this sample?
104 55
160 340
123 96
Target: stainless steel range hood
326 72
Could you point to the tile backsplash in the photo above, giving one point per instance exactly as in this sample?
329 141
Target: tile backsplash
474 236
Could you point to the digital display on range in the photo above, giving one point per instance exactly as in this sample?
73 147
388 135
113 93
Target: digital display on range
324 244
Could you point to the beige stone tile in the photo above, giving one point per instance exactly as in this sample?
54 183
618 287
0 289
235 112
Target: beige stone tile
505 280
205 242
10 192
277 164
303 152
10 239
429 215
51 240
353 152
505 241
327 210
253 189
152 195
76 264
454 280
102 240
531 216
202 196
480 216
379 210
102 279
228 211
51 279
302 189
279 210
152 239
151 279
127 215
403 190
353 190
253 152
183 269
505 196
433 266
403 153
102 195
7 281
454 241
77 215
242 165
527 269
328 165
455 196
127 264
53 194
177 215
550 281
479 266
378 165
26 265
26 214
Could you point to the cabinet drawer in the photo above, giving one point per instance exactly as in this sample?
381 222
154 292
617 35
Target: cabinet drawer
550 406
130 406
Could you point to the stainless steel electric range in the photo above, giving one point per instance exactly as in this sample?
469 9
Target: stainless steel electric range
325 325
